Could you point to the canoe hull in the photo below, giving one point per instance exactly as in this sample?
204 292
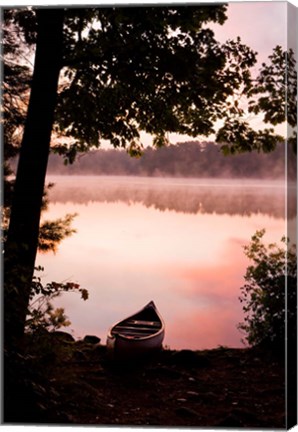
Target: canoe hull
120 347
128 346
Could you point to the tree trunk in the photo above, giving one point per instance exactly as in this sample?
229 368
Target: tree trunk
22 241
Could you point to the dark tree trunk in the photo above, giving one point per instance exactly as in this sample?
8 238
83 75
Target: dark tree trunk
22 241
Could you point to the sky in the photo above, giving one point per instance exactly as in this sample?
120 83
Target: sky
261 25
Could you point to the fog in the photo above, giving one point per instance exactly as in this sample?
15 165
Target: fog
192 196
191 159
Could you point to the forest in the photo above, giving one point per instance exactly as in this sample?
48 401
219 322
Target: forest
185 159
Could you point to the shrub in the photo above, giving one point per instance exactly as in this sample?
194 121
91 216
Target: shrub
269 295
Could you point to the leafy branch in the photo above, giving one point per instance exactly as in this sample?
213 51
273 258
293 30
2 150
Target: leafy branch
41 312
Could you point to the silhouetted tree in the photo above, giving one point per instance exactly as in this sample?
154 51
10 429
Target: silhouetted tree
22 240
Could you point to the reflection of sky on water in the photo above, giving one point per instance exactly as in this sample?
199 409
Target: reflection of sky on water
127 253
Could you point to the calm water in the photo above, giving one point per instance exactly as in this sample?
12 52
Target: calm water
178 242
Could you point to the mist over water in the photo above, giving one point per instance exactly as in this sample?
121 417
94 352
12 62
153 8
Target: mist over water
176 241
220 196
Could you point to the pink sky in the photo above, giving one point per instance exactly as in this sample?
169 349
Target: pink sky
261 25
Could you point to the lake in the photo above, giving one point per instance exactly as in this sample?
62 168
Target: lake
176 241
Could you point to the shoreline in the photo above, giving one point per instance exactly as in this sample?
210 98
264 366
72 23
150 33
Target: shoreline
75 383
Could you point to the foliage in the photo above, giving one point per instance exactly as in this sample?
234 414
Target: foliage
15 88
269 295
276 91
47 317
273 94
127 70
51 233
152 69
159 70
41 313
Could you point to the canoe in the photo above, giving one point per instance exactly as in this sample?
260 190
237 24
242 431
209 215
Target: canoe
136 335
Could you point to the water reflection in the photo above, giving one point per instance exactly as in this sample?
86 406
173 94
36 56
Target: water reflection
193 196
177 242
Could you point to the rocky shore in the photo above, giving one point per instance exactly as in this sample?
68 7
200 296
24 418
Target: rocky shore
63 381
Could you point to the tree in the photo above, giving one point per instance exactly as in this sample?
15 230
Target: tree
16 90
22 240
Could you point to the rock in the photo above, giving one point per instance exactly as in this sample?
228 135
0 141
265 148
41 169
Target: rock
192 395
79 356
99 350
63 336
91 339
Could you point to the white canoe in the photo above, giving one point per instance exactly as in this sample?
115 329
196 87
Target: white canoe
139 334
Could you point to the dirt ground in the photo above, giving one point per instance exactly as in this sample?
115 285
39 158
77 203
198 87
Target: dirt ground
240 388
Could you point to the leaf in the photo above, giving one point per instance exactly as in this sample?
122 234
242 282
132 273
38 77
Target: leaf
84 294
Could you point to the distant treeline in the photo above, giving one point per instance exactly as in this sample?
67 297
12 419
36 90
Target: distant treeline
188 159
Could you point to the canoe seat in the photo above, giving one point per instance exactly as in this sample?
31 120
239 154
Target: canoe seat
130 331
133 335
143 323
136 328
